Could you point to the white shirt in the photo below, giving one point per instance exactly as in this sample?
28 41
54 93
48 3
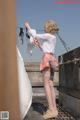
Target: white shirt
32 33
48 41
30 45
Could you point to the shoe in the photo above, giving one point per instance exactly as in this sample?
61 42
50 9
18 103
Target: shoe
50 114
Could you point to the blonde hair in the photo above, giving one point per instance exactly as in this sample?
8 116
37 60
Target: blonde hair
51 27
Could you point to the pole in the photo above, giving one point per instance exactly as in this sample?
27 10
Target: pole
9 96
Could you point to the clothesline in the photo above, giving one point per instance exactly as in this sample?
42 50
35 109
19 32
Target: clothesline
21 34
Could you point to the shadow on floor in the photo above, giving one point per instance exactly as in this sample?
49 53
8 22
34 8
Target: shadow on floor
35 112
39 107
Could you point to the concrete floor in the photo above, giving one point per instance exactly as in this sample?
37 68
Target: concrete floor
39 106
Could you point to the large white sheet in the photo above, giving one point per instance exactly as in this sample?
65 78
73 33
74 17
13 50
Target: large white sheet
25 89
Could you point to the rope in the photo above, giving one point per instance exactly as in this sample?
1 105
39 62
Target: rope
62 41
75 60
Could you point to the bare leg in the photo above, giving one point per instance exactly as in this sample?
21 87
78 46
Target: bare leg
53 94
50 95
48 89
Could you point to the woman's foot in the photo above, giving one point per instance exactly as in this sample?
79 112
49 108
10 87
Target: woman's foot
50 114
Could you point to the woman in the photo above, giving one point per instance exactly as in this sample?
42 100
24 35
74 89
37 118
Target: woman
48 63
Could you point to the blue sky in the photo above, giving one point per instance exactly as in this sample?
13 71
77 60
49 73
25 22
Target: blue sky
38 11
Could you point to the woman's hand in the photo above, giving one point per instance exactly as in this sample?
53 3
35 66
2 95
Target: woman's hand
36 42
27 25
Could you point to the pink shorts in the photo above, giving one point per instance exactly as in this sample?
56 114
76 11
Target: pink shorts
48 60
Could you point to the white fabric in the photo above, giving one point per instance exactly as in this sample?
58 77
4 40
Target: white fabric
25 90
30 45
48 41
31 39
33 31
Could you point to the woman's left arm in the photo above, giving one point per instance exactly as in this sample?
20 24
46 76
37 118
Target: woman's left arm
27 25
